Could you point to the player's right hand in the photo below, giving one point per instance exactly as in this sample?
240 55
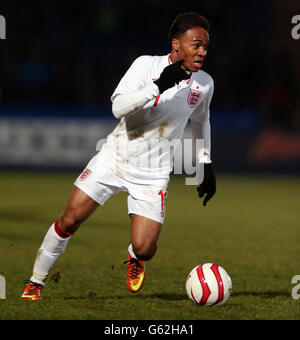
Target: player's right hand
171 75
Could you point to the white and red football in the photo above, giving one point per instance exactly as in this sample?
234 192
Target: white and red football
208 284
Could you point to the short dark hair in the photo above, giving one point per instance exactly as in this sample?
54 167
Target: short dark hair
185 21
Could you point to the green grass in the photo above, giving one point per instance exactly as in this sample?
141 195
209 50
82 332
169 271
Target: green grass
251 228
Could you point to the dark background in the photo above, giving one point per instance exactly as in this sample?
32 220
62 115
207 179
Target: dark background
73 54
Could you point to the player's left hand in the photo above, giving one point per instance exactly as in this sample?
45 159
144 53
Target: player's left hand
208 186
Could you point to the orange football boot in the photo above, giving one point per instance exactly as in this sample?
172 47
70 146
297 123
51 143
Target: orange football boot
32 291
135 274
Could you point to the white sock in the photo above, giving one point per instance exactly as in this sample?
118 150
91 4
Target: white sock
130 251
52 247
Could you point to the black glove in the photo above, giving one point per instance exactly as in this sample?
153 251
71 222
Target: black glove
208 186
171 75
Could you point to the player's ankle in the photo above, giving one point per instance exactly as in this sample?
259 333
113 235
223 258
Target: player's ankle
142 253
38 281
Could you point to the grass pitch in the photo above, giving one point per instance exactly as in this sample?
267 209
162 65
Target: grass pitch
251 228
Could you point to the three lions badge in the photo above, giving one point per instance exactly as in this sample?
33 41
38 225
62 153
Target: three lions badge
194 97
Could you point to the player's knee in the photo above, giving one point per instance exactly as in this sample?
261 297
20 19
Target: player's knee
143 251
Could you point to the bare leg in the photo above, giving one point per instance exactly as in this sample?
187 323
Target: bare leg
144 235
79 208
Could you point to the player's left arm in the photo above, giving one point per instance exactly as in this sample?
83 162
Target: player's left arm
201 130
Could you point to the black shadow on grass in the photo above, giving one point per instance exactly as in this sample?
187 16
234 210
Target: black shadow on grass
263 295
164 296
177 297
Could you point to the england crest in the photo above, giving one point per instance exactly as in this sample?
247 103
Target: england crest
194 97
85 174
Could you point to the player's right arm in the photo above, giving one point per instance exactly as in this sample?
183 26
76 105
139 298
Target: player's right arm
125 104
133 92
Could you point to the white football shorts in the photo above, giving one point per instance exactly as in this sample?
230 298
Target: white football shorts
99 182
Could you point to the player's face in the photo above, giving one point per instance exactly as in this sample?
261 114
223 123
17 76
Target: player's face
191 46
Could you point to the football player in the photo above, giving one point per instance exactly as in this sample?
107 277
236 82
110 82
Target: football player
154 100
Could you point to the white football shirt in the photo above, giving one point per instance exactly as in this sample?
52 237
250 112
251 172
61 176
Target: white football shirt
141 147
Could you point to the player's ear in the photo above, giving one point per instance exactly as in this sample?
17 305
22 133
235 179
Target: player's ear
175 44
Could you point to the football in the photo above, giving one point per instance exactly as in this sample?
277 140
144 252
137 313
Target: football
208 284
